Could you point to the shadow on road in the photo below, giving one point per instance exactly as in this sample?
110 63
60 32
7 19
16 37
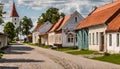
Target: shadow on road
21 48
18 50
19 60
8 67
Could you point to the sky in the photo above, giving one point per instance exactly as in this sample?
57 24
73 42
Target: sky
34 8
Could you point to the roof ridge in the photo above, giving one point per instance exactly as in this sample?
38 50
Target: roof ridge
106 5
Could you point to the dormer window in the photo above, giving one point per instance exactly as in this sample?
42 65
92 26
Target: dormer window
75 19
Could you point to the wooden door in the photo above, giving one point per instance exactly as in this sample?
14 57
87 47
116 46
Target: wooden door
102 41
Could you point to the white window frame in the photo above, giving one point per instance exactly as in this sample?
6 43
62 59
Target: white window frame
70 38
118 39
110 39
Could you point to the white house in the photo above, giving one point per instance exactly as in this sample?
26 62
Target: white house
43 33
3 40
113 34
58 32
62 33
52 33
69 36
35 33
96 23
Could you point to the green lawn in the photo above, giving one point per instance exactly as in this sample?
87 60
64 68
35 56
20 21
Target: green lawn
45 47
66 49
114 58
81 52
32 44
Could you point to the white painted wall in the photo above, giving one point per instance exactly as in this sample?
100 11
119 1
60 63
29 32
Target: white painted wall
44 40
35 37
3 40
65 43
51 38
95 29
58 38
15 21
113 48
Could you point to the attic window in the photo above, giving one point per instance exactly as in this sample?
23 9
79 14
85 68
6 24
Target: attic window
75 19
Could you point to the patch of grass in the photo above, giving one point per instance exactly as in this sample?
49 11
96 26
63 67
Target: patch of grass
45 47
36 44
1 53
81 52
66 49
114 58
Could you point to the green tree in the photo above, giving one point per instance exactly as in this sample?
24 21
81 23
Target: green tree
1 13
26 24
9 29
51 15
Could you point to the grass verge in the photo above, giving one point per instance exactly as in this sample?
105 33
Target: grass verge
36 44
81 52
45 47
1 53
66 49
113 58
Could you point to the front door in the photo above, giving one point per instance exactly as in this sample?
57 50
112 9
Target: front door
102 41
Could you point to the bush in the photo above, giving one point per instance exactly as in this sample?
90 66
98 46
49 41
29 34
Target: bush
1 53
106 54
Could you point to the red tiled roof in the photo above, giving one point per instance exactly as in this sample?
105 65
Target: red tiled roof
100 15
43 34
55 25
37 27
63 22
59 24
13 11
114 25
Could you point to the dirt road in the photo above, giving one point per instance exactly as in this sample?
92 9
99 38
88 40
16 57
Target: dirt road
27 57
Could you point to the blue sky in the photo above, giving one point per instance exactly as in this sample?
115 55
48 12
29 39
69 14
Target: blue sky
34 8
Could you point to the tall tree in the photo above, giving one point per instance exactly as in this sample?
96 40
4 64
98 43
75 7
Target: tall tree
1 13
9 29
26 24
51 15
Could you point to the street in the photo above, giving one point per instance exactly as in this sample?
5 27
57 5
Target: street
20 56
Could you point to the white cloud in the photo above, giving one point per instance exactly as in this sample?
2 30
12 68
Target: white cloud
66 6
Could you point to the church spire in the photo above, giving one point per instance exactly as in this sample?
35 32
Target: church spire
13 11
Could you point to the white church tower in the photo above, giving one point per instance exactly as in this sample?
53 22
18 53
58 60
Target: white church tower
14 16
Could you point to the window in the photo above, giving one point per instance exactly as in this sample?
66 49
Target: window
75 19
75 37
70 37
97 38
110 40
15 23
117 39
90 38
15 18
93 39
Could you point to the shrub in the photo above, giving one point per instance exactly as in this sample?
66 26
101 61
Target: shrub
106 54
